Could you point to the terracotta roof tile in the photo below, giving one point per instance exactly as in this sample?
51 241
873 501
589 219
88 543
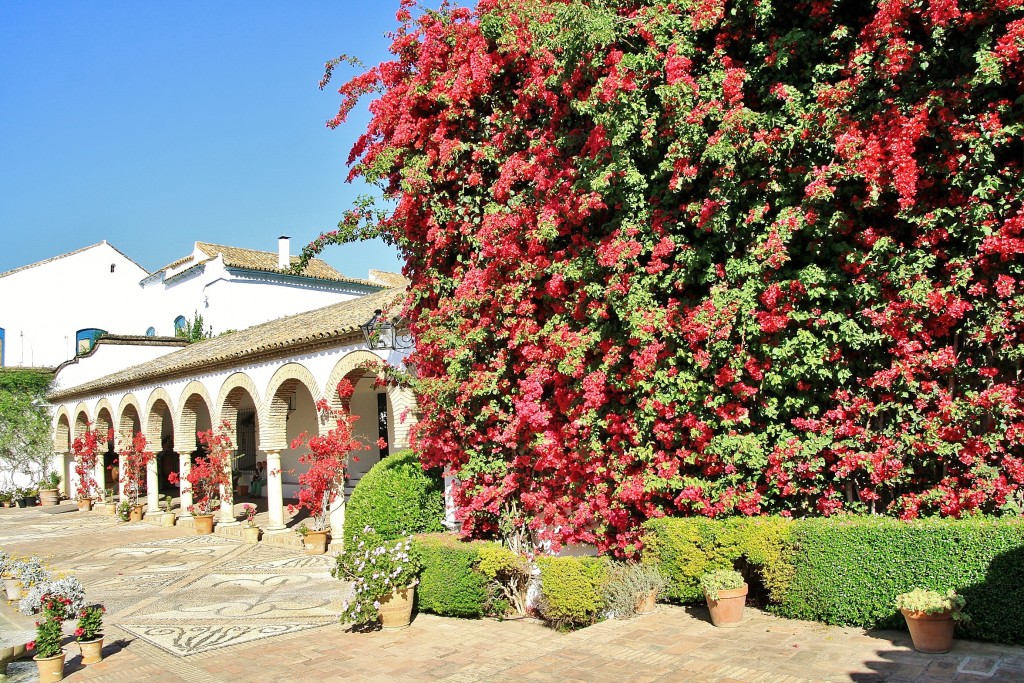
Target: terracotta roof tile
237 257
292 333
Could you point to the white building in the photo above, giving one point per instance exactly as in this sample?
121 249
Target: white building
53 310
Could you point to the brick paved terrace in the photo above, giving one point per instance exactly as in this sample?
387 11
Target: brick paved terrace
183 607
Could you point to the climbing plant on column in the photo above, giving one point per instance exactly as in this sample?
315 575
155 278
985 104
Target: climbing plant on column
706 258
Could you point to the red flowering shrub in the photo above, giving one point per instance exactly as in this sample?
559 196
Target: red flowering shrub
327 457
85 449
133 458
210 474
671 259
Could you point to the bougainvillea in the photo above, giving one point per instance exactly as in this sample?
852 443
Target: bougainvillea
705 257
133 460
85 449
327 456
209 477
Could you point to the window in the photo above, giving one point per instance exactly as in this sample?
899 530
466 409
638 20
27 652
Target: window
180 325
112 267
150 331
85 339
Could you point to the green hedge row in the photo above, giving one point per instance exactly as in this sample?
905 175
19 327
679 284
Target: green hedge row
848 570
449 584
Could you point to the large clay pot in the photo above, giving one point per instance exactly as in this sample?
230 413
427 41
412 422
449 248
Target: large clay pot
251 534
84 504
92 650
168 519
49 497
396 608
51 669
931 633
316 542
203 524
727 610
135 513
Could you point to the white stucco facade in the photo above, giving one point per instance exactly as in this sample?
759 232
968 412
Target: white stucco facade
44 305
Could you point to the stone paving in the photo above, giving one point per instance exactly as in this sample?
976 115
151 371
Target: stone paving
183 607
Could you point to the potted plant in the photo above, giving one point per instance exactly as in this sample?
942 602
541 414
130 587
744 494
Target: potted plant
328 457
632 588
89 633
168 516
29 497
5 498
124 511
85 449
250 532
25 573
725 592
132 462
49 489
383 576
930 617
209 477
109 508
49 655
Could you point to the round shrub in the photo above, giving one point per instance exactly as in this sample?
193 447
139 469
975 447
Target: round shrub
396 497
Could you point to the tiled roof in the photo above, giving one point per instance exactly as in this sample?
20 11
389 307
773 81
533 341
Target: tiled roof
284 335
388 278
236 257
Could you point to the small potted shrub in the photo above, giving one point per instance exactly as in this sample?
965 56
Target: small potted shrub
49 655
930 617
250 532
49 489
209 477
725 592
632 589
89 633
384 577
5 498
168 515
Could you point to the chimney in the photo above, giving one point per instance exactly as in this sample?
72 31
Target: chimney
284 257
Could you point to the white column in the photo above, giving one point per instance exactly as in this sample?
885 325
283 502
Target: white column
337 518
275 491
184 467
61 464
152 487
227 501
100 473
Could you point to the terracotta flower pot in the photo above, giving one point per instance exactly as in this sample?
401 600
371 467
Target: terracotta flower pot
168 519
396 608
135 513
92 650
251 534
203 524
727 610
316 542
645 602
85 504
49 497
51 669
931 633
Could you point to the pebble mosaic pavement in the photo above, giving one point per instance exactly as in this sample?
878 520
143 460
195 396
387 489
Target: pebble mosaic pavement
208 609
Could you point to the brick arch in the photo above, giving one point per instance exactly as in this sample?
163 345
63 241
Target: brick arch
193 396
273 420
345 367
104 405
129 404
154 419
82 420
231 393
62 431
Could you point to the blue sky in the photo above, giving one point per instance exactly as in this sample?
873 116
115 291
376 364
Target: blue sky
153 125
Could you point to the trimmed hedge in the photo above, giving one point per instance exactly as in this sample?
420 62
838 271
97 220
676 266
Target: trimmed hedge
848 570
449 584
396 497
572 590
686 548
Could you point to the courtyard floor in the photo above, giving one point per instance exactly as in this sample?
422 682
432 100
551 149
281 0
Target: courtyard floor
182 607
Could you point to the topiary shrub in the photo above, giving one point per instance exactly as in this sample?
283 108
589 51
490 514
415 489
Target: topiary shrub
449 584
849 571
396 497
686 548
572 590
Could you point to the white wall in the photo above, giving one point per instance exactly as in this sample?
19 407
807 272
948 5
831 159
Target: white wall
42 307
107 359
